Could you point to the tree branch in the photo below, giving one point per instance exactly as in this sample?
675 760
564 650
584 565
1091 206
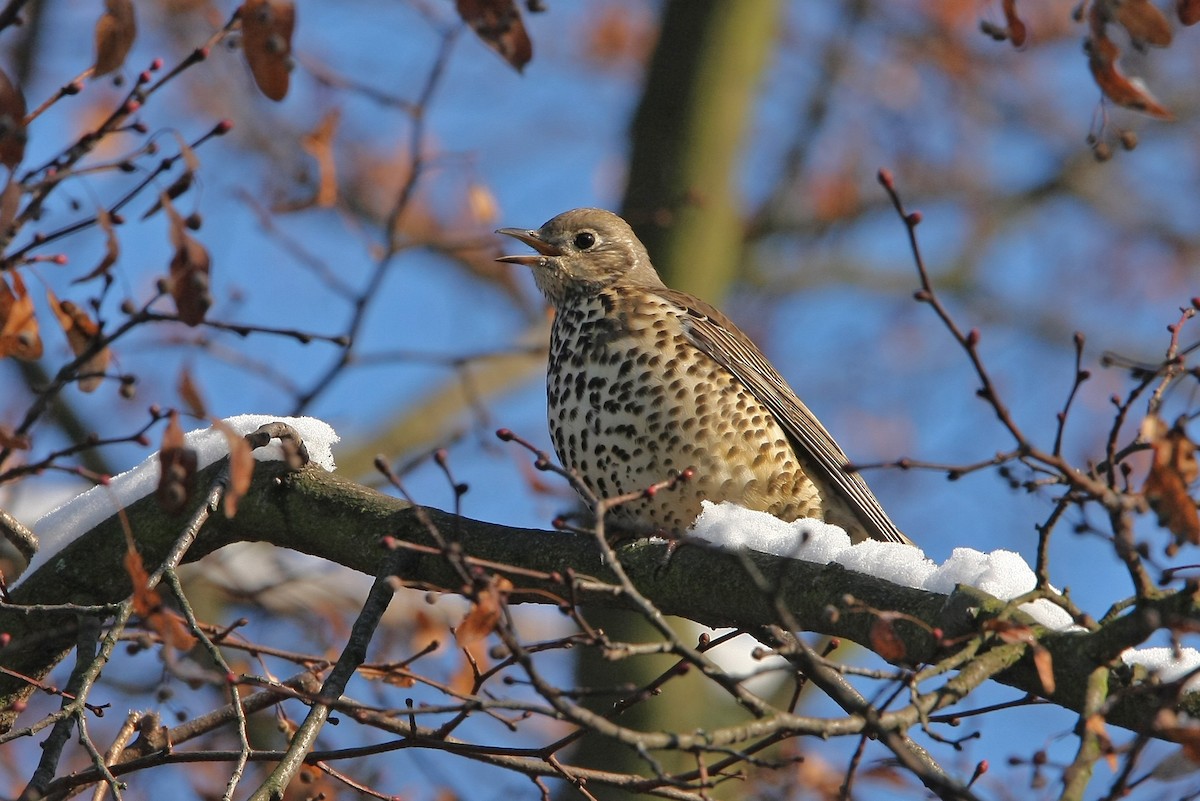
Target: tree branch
321 514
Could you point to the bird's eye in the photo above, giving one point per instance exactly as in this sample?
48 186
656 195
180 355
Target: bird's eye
585 240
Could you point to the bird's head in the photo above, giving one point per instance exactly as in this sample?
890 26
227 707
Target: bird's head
582 251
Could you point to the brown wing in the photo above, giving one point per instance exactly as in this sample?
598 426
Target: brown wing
718 337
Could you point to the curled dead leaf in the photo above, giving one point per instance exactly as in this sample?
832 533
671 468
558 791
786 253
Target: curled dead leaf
189 281
115 31
1188 11
10 203
1017 32
148 605
1121 89
12 122
178 465
112 246
189 271
189 393
1166 489
241 467
82 333
1144 22
498 23
485 612
267 27
1044 663
185 179
1094 724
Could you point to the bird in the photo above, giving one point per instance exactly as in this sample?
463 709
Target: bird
644 382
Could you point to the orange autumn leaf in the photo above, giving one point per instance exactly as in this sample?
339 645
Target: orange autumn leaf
481 204
267 27
462 681
884 640
1044 664
1094 724
318 143
148 605
241 467
1166 489
485 612
19 335
426 633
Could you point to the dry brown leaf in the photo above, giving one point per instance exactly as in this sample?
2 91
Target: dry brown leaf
12 122
1044 664
1144 22
13 441
178 465
189 393
884 640
115 31
1017 33
395 675
1188 11
19 336
189 271
318 143
10 203
1011 632
1166 488
189 281
191 165
112 247
82 333
147 604
1119 88
1188 737
241 467
498 23
267 27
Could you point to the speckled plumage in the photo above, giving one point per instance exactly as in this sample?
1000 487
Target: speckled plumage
644 380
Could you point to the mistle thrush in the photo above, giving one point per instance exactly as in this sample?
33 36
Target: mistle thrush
644 381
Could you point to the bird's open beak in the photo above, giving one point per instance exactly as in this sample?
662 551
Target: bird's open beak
534 241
